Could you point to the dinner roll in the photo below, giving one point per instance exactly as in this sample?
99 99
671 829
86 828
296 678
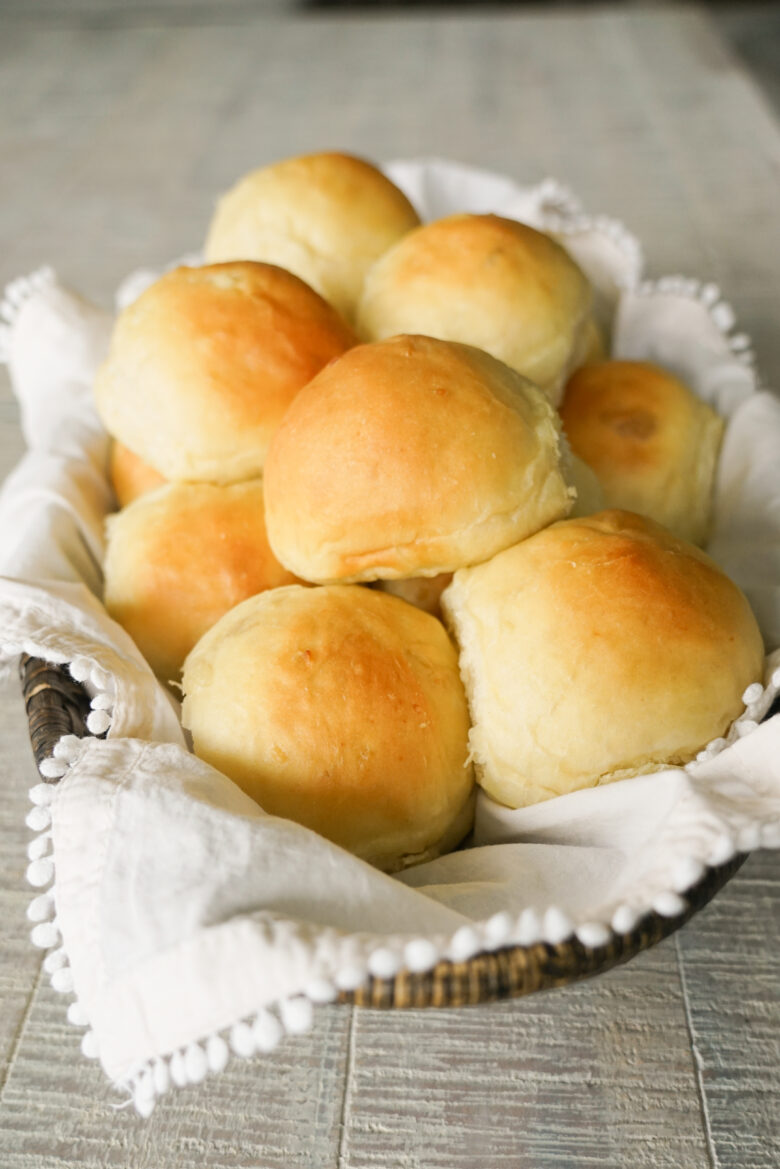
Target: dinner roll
423 591
651 442
179 558
411 457
326 217
341 708
129 475
204 363
489 282
597 649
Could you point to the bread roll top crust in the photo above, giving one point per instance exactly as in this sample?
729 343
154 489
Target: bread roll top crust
179 558
341 708
651 441
204 364
326 217
485 281
411 457
598 648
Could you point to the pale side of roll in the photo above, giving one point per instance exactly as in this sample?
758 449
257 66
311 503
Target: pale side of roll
590 493
489 282
598 649
326 217
423 591
340 708
203 365
179 558
652 443
411 457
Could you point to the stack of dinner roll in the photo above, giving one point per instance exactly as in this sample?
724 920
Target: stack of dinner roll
344 397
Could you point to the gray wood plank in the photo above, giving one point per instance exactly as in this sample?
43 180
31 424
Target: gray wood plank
117 13
278 1112
19 961
731 979
596 1074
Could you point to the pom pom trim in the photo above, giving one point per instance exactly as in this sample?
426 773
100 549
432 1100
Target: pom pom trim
14 297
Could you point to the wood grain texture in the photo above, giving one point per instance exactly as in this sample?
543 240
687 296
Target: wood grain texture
19 961
58 1109
597 1074
115 142
734 1016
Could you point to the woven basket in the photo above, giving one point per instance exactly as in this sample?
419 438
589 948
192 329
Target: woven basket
57 705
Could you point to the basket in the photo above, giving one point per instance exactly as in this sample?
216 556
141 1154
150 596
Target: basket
57 705
144 1042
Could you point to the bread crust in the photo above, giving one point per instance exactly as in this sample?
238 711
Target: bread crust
651 442
597 649
204 364
411 457
326 217
489 282
130 476
341 708
179 558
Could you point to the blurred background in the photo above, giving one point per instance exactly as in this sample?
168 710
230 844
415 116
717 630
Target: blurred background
134 116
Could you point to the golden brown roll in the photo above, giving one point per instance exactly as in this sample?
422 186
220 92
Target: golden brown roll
423 591
489 282
597 649
326 217
341 708
130 476
411 457
651 442
204 364
179 558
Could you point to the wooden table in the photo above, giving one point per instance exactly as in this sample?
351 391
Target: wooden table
118 127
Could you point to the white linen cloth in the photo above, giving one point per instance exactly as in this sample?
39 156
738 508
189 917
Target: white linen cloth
181 915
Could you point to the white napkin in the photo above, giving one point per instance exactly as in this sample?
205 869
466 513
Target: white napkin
177 911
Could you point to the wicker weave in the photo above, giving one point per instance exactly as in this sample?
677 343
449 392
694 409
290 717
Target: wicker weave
56 705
